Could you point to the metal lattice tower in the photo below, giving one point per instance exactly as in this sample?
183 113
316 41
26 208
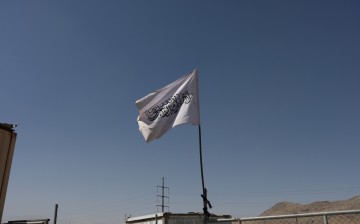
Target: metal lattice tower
163 196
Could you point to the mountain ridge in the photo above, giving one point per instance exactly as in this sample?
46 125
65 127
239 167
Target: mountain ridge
287 208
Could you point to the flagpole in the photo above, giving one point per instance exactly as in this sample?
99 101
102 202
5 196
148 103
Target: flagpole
206 202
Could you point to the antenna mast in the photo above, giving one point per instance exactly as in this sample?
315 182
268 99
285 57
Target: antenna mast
163 196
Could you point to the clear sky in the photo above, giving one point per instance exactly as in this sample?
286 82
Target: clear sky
279 97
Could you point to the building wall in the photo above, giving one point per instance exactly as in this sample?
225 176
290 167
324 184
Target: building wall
7 144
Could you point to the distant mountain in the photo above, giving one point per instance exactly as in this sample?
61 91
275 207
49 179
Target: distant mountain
287 208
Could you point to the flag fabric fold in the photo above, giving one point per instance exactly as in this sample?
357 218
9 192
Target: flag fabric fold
173 105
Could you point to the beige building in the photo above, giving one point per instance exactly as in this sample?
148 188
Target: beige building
176 218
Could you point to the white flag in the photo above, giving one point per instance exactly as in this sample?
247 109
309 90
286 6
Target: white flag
172 105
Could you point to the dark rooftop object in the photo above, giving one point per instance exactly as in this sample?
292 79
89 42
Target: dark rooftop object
9 127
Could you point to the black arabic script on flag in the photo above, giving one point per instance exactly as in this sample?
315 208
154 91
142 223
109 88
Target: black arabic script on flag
169 107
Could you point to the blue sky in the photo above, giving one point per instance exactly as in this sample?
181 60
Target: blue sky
279 97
